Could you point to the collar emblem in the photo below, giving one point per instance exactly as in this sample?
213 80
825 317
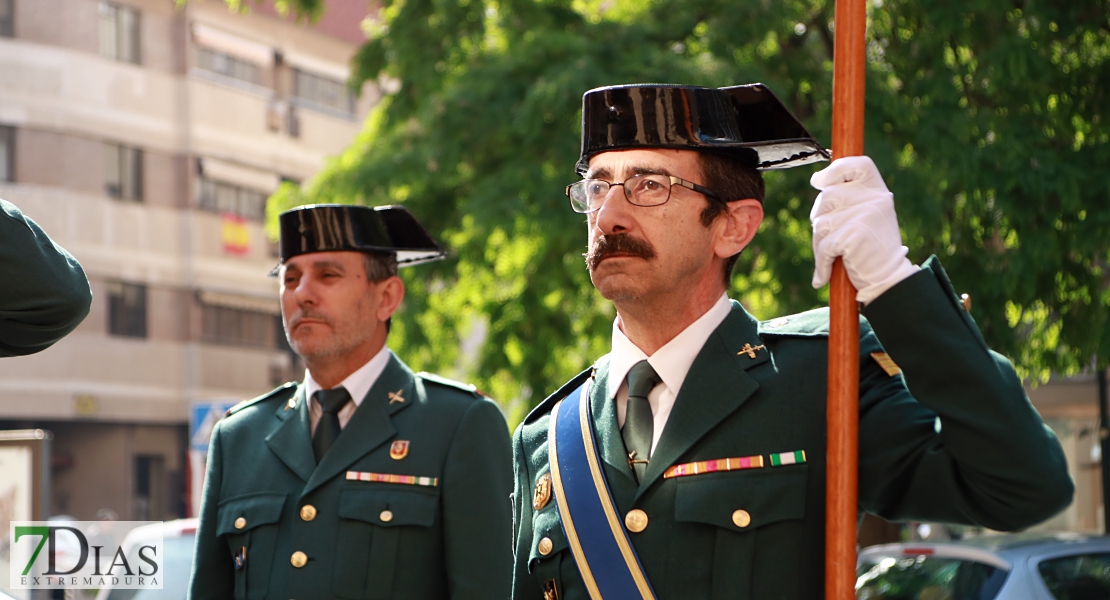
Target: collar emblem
750 350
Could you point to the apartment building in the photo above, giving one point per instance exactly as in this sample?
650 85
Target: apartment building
145 138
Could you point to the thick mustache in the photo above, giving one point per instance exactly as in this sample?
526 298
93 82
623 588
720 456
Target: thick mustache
608 245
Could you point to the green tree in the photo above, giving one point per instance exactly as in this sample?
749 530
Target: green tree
985 117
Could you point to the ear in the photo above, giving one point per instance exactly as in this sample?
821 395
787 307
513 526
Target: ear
736 226
391 291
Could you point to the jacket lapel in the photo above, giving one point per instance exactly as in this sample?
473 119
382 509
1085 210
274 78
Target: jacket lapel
715 387
606 430
291 440
370 426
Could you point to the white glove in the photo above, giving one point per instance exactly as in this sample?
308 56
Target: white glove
854 218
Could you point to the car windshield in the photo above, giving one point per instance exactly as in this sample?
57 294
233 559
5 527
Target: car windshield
927 578
177 564
1077 577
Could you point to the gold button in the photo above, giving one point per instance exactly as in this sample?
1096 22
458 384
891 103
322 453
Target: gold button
741 518
636 520
545 546
299 559
386 516
240 523
965 299
308 512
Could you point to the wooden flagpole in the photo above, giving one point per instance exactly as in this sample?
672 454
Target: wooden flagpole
842 491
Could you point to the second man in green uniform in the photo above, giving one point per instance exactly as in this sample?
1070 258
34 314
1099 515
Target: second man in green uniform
365 480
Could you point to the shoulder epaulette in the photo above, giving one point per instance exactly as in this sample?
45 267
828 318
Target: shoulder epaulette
282 393
451 383
812 323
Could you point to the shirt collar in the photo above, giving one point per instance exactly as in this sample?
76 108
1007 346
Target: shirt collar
358 384
672 362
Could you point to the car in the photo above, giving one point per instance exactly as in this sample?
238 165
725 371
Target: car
1025 566
177 560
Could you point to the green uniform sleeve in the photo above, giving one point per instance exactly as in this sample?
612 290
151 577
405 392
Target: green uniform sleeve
524 585
477 520
45 292
213 575
993 462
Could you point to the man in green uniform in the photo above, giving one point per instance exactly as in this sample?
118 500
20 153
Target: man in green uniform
365 480
44 294
708 477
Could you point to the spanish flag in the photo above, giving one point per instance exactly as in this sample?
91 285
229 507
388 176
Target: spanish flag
236 235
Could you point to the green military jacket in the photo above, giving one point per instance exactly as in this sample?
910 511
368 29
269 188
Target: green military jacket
952 438
44 294
274 524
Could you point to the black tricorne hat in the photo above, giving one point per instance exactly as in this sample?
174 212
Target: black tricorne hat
378 229
747 120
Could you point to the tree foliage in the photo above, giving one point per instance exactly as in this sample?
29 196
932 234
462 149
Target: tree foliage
986 118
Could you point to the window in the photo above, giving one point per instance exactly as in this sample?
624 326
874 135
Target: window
7 18
119 32
1077 577
123 172
127 309
7 152
149 486
227 65
323 92
220 197
927 577
228 326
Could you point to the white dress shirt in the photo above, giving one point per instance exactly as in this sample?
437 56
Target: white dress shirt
358 384
672 362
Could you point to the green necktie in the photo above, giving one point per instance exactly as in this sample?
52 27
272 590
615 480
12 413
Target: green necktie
327 430
638 420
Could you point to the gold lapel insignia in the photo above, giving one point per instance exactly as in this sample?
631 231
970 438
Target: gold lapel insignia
399 449
396 397
291 404
750 350
542 494
886 363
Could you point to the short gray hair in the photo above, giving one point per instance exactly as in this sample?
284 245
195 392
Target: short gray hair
380 267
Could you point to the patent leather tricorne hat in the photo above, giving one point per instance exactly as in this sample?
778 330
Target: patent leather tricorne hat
747 120
335 227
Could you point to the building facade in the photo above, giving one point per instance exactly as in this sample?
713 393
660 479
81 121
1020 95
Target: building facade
145 138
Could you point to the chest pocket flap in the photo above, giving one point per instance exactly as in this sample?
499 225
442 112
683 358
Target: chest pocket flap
243 513
744 500
546 525
389 507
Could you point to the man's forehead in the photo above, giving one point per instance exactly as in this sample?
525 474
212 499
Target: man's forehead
339 258
618 163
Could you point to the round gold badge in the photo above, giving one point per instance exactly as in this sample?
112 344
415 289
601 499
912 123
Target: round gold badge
545 546
240 523
636 520
741 518
299 559
386 516
308 512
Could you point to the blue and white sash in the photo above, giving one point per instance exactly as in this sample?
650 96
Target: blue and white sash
597 537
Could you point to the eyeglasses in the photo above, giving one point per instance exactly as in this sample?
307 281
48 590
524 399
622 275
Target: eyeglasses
645 189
